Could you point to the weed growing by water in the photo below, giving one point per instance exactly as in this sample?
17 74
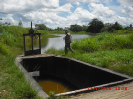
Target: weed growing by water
55 51
52 96
12 81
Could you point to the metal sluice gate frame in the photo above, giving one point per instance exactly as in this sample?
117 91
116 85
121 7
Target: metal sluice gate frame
32 33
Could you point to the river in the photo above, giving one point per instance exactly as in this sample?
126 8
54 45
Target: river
58 42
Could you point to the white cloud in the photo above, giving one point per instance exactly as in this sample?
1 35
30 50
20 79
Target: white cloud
127 7
9 19
47 12
100 10
115 8
126 2
44 18
83 14
84 1
28 24
89 1
77 3
105 1
65 8
128 11
80 16
13 6
122 20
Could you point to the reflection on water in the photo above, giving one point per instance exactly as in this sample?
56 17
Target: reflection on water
28 44
59 43
48 86
52 83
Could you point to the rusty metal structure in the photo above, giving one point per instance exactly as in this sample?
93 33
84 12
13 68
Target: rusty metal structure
32 33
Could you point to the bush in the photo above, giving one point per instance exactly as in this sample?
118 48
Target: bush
1 29
88 44
104 41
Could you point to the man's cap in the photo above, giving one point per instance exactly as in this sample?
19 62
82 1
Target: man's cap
66 30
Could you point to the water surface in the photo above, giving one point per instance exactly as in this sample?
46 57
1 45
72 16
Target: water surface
56 84
51 85
59 42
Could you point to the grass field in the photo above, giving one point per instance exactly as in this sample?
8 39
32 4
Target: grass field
106 50
12 82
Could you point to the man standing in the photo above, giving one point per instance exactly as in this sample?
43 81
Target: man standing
68 40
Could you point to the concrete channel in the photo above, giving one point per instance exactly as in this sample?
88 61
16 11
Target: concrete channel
81 74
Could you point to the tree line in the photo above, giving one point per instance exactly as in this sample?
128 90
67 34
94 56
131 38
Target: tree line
95 26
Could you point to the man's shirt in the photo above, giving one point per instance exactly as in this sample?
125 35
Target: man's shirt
68 38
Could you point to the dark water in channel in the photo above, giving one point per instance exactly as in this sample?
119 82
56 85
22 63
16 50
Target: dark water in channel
52 83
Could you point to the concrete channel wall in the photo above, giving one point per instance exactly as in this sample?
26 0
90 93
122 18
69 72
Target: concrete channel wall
77 72
29 78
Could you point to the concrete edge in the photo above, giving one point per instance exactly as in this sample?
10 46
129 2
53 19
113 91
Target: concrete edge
30 79
93 88
104 69
37 87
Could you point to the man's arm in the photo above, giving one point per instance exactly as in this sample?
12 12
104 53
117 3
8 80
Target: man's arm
66 37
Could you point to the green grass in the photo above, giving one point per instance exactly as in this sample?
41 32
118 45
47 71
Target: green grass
12 82
104 50
123 31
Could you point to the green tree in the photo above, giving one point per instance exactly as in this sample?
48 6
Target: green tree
41 27
126 28
0 22
95 26
117 26
66 28
20 24
130 25
107 27
104 29
111 27
75 28
59 29
5 24
84 27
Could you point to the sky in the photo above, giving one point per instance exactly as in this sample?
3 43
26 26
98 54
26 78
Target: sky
63 13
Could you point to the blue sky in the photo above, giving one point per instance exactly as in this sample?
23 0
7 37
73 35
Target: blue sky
63 13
